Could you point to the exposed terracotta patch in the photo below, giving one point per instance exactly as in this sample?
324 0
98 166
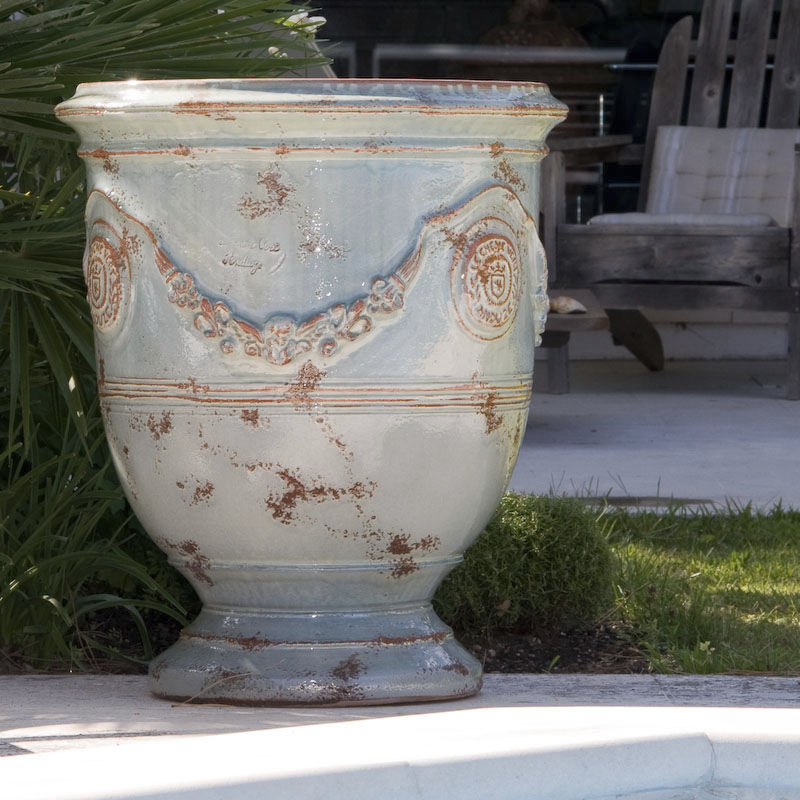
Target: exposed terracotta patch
456 667
180 485
277 195
282 150
181 150
284 505
401 544
125 449
404 566
202 493
392 640
109 166
194 561
250 415
458 240
349 669
488 409
214 110
507 174
496 149
194 387
307 380
101 371
159 426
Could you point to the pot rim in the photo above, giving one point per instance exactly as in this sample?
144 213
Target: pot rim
376 95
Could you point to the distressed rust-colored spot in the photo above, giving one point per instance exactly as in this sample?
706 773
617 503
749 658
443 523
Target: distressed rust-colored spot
282 150
180 485
496 149
194 561
159 426
194 387
110 166
488 408
459 240
277 194
250 416
101 371
349 669
283 506
507 174
456 667
202 494
401 544
125 450
404 566
213 110
394 640
181 150
307 380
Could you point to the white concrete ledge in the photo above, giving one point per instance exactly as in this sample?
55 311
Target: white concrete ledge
536 737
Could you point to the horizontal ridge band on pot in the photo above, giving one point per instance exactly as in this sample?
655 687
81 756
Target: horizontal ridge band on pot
512 393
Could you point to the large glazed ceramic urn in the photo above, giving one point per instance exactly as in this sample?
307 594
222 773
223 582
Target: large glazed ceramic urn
315 308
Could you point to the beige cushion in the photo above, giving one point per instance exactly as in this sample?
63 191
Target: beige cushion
720 171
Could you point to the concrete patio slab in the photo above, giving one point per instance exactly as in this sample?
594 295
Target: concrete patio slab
525 736
701 431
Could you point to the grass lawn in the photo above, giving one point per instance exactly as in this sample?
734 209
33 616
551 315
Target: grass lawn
710 592
692 591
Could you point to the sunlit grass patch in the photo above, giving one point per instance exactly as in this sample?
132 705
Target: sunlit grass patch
711 592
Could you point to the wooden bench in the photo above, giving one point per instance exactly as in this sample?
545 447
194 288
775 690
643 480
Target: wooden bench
557 332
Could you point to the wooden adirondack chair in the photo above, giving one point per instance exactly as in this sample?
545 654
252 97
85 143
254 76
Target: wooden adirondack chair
719 226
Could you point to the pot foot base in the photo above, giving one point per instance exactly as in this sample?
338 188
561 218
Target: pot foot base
235 667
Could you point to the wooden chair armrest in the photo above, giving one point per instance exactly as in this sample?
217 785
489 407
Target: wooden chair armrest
582 150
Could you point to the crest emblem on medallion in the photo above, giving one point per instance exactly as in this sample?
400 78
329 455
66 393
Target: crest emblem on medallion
485 279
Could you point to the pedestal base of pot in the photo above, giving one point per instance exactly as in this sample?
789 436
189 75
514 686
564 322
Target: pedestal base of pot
396 656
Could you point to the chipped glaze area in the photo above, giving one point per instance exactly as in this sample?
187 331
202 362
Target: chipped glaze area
315 307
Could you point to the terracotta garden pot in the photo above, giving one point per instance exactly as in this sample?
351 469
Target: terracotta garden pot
315 307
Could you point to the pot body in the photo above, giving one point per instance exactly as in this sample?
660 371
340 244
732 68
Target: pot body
315 307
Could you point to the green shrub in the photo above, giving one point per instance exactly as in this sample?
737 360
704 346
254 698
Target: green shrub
542 565
71 556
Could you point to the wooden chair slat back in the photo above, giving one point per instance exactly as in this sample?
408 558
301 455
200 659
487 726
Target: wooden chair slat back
708 82
784 96
666 100
749 65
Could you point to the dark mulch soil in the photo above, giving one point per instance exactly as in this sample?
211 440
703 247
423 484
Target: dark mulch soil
604 650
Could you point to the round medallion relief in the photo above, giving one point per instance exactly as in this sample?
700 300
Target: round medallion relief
107 279
486 284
